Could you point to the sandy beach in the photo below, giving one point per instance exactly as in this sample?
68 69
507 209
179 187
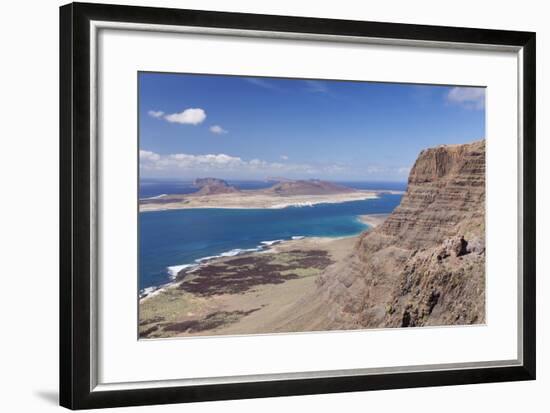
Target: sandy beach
373 220
248 200
241 294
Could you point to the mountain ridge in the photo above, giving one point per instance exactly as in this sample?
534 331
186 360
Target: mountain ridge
213 186
307 187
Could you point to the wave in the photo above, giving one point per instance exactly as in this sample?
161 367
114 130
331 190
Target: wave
295 205
270 243
210 257
153 197
238 251
150 291
175 269
146 291
230 253
264 246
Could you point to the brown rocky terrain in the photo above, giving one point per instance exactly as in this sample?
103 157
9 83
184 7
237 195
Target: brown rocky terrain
213 186
307 187
236 295
425 265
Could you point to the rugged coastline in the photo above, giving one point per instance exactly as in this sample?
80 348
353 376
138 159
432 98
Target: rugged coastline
249 200
228 295
423 264
274 275
217 193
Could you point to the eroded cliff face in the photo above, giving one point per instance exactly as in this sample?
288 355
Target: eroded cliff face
425 265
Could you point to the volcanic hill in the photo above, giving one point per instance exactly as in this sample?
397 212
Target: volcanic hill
213 186
307 187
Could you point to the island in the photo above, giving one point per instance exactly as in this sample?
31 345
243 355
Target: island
217 193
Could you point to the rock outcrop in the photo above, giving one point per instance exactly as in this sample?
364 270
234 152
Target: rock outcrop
425 265
213 186
307 187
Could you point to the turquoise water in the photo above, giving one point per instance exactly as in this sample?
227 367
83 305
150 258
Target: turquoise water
180 237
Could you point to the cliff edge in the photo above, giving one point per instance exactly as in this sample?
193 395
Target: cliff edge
425 265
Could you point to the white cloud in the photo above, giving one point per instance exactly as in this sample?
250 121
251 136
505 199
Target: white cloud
257 163
180 163
374 169
387 170
336 168
148 156
217 129
155 113
191 116
227 166
316 86
186 165
284 157
185 161
468 97
262 83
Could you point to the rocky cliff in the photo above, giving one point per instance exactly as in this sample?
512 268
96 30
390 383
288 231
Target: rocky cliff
425 265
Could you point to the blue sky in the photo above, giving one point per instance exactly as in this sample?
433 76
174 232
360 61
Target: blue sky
252 128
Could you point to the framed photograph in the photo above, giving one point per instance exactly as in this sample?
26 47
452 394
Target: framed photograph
257 206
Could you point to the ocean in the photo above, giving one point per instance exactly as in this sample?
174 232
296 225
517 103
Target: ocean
173 239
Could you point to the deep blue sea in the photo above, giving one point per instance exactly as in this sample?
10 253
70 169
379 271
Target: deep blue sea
174 238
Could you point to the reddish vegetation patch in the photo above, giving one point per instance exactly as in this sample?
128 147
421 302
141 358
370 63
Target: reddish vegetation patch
240 274
156 319
211 321
145 333
233 276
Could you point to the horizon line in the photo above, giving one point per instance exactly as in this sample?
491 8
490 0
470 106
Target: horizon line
141 178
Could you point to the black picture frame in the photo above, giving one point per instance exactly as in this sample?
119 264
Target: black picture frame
75 219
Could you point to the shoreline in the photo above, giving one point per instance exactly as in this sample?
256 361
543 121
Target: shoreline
212 300
265 247
174 270
373 220
243 200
